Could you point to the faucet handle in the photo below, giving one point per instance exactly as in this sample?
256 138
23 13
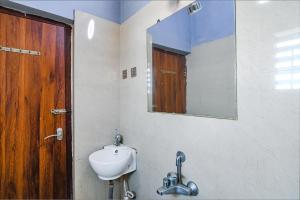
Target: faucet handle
117 138
172 178
166 182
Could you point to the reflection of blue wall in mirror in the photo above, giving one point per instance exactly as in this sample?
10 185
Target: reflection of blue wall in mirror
214 21
182 31
173 32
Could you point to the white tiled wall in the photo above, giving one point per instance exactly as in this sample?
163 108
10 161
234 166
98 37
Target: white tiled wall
255 157
96 98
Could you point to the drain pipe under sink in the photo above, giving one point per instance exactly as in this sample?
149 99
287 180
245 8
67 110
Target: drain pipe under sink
127 193
110 190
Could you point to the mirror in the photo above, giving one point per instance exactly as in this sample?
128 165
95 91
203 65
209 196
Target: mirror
192 61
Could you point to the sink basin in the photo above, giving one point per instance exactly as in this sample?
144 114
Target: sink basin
112 161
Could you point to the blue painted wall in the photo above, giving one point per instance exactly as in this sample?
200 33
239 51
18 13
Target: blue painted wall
105 9
182 31
130 7
115 10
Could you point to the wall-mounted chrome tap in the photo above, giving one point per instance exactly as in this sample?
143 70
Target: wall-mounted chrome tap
180 158
172 184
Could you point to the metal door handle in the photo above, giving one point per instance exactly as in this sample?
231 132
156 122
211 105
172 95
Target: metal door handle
59 134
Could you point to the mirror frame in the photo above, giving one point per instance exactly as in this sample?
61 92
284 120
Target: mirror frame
150 81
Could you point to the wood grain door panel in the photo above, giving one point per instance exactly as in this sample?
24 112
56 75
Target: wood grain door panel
30 86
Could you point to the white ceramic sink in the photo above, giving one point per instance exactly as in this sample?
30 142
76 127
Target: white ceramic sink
112 161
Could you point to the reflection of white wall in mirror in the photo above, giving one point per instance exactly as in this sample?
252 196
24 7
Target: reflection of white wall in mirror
287 60
91 29
211 78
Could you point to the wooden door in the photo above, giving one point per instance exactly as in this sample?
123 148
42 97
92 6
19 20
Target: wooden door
169 85
30 86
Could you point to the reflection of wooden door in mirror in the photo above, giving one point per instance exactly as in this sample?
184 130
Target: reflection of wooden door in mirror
169 85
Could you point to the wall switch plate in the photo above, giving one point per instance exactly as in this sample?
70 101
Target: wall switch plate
133 72
124 73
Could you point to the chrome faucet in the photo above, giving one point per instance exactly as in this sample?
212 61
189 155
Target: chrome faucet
180 158
117 138
172 184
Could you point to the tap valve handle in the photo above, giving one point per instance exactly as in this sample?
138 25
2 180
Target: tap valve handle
172 178
117 138
166 182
